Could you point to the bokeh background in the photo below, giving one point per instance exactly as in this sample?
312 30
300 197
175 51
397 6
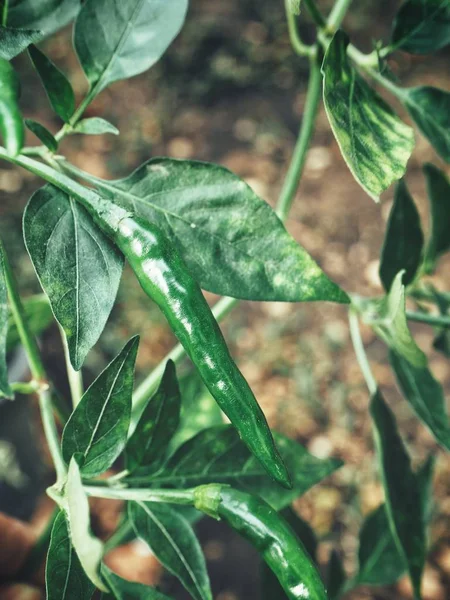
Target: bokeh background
230 90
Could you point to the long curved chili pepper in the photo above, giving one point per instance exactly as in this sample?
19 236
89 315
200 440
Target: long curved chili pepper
165 278
11 121
269 533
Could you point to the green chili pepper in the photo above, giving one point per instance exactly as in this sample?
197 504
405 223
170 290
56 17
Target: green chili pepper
164 277
11 121
269 533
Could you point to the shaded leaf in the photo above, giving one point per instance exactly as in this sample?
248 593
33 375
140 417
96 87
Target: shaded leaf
56 84
14 41
245 249
89 549
5 390
121 589
438 187
403 242
136 35
217 455
336 576
374 142
148 445
425 395
172 540
64 576
402 490
95 126
43 134
47 15
422 26
78 267
11 122
430 109
98 428
39 317
387 317
380 561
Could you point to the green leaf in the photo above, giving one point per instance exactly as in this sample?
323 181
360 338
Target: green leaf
46 15
137 34
43 134
11 122
425 395
78 267
387 317
39 317
429 107
422 26
5 390
95 126
122 589
89 549
56 84
438 187
380 562
245 249
403 242
217 455
173 542
374 142
148 445
64 576
98 427
199 410
336 576
402 490
15 41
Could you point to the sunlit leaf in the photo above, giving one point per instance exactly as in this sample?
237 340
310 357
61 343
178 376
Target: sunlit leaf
64 576
148 445
56 84
97 430
245 249
422 26
95 126
14 41
402 491
403 242
425 395
78 267
217 455
374 142
89 549
116 40
172 540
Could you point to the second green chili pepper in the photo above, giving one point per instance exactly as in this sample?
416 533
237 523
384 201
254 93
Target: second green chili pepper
269 533
165 278
11 121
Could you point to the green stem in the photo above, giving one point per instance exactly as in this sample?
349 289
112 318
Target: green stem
37 554
360 351
296 41
183 497
5 12
26 337
298 160
75 377
315 13
51 433
24 388
439 321
123 534
337 15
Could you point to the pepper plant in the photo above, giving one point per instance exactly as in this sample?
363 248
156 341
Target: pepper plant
185 225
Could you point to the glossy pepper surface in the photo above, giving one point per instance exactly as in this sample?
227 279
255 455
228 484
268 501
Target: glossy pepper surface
11 122
269 533
165 278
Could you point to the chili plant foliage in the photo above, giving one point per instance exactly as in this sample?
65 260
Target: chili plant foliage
185 225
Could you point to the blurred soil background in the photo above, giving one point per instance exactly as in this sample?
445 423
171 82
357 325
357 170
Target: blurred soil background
231 91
